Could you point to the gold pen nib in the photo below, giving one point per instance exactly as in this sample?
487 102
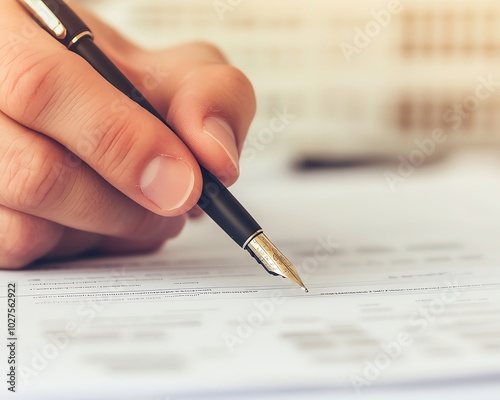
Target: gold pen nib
268 255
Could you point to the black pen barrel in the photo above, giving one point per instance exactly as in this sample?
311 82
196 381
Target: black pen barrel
87 49
218 202
215 198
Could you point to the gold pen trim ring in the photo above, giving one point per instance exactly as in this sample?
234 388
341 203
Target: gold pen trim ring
80 36
251 238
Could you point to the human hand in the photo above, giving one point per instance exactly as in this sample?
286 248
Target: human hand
82 167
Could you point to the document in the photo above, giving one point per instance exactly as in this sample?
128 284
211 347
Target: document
404 290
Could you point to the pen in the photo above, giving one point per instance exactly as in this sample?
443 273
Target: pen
63 24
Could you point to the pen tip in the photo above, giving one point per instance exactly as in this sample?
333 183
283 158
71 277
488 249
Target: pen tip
268 255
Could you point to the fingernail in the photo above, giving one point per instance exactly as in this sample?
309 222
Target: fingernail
221 132
167 182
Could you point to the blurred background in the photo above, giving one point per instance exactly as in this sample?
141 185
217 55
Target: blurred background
361 81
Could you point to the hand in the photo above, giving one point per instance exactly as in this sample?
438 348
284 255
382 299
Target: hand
82 167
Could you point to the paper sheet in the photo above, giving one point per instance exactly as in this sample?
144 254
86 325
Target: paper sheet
404 289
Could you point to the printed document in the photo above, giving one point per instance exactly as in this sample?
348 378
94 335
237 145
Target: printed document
404 289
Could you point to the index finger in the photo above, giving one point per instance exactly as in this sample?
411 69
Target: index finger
55 92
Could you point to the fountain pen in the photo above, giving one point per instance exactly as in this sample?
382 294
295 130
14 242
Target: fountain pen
65 25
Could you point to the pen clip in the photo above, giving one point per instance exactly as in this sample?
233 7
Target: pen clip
46 17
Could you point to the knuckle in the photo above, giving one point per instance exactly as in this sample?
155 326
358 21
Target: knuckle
88 202
232 73
151 228
239 85
28 80
156 238
145 225
207 48
18 245
153 245
30 178
114 145
176 226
